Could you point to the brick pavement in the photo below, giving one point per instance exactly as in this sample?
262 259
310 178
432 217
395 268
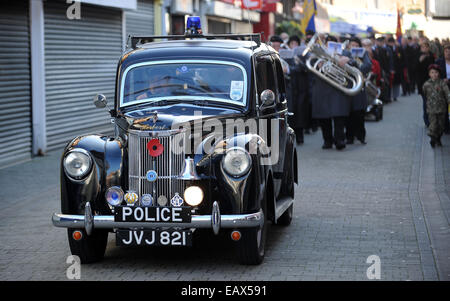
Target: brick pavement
384 198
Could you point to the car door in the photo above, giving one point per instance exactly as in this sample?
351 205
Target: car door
274 122
281 112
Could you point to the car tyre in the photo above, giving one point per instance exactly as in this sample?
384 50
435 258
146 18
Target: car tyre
251 246
91 248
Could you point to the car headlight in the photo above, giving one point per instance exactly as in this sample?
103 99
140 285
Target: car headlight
77 163
193 195
236 162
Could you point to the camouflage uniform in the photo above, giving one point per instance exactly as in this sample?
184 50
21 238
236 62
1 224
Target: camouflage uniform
438 97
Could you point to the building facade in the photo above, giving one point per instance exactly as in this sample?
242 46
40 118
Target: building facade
54 57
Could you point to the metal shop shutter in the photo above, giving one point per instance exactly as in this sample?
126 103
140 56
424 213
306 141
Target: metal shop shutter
15 83
81 58
140 22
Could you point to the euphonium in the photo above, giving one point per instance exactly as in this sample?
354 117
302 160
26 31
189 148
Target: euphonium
347 79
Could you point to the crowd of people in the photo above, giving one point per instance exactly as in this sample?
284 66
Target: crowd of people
396 68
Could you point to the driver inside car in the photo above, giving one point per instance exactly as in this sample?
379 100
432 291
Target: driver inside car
157 84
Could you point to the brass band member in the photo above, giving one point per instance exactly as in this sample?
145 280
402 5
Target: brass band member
330 107
355 123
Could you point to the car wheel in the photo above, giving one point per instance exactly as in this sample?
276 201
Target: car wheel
286 218
251 246
90 248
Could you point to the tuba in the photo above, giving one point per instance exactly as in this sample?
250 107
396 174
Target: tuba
347 79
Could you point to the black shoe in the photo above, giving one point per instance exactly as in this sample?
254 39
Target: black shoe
327 145
349 141
340 146
432 143
438 141
299 140
307 131
363 141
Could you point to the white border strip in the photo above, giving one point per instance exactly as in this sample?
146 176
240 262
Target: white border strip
240 103
38 76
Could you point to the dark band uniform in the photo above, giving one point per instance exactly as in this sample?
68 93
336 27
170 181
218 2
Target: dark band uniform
298 102
355 123
329 106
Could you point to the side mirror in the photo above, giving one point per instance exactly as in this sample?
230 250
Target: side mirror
267 98
100 101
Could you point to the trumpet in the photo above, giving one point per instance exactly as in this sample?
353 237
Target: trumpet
347 79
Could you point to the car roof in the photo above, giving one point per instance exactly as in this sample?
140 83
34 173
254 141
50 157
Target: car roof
216 43
198 48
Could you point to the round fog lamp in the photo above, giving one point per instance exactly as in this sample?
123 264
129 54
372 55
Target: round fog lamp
193 195
114 196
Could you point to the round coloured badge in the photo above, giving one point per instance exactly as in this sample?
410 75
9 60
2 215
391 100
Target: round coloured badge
151 175
147 200
131 198
162 200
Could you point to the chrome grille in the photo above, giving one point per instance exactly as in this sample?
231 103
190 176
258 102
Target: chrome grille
168 165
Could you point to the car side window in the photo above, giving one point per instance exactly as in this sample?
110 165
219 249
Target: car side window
281 92
265 77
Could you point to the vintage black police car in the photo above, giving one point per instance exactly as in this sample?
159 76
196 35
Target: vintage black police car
201 141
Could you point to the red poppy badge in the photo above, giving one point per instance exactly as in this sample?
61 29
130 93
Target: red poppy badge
155 148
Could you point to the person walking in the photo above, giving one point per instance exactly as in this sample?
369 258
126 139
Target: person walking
376 69
330 107
398 67
298 103
437 94
444 65
355 122
412 57
425 59
381 55
405 81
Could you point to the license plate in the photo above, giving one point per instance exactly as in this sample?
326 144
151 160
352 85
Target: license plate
152 214
153 238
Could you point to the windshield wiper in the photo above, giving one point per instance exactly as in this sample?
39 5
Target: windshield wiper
160 102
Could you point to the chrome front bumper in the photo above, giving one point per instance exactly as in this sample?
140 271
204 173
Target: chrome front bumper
215 221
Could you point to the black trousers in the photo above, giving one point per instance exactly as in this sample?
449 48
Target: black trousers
326 125
354 127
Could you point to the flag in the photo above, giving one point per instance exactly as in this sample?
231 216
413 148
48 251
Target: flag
309 11
399 27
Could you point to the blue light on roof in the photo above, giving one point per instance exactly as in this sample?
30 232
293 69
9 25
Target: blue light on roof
193 25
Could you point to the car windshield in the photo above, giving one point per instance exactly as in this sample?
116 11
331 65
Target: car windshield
154 82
